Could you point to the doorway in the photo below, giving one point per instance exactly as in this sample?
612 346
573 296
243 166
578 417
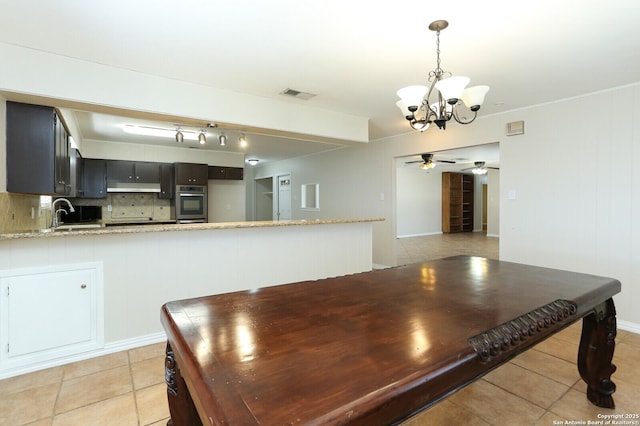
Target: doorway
264 198
273 197
283 205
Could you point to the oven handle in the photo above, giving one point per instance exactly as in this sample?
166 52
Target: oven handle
191 221
191 195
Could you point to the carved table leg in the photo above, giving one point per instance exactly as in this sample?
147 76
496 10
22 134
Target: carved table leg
596 352
183 411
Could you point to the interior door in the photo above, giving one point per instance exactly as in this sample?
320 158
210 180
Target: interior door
284 197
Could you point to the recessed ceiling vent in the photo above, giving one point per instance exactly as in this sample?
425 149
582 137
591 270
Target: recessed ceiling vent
297 94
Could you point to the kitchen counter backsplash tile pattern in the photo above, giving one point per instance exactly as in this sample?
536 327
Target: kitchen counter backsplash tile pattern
132 206
16 216
16 210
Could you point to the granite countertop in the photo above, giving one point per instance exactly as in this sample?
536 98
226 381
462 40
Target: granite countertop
47 233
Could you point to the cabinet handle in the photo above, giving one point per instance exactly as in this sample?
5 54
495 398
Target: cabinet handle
83 286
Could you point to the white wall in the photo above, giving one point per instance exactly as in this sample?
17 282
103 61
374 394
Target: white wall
418 202
94 83
226 201
493 203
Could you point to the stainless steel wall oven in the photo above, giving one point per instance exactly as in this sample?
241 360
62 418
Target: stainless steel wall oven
191 203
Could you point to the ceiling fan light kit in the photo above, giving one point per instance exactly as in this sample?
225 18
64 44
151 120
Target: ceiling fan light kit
422 105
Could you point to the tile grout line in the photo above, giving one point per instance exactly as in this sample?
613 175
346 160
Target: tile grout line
133 388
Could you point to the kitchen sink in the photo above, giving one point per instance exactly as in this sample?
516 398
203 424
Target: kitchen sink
72 227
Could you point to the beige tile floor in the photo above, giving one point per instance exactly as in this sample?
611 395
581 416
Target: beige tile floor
539 387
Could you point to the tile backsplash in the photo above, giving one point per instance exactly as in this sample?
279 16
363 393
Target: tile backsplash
135 206
22 213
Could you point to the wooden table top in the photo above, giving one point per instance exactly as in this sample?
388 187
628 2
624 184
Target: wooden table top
377 345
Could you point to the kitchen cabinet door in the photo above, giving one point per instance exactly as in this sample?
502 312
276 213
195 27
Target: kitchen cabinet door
47 313
61 159
120 171
231 173
37 150
133 171
147 172
167 186
191 173
94 178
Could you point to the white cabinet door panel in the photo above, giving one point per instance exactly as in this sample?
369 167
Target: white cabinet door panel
50 313
49 310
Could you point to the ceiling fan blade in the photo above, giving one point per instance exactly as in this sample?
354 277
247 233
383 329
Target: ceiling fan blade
445 161
413 162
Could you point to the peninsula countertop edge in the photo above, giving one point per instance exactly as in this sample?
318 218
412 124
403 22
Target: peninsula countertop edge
144 228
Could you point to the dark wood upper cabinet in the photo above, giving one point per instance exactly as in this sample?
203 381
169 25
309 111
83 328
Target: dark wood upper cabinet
191 173
123 171
37 150
94 178
231 173
166 181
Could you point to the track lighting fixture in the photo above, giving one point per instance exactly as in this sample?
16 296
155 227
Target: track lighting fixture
182 133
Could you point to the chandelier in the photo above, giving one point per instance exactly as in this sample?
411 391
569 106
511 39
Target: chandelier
416 102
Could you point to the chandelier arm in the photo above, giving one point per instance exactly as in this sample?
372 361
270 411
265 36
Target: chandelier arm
455 116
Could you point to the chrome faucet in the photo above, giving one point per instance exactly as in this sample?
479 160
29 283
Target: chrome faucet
55 212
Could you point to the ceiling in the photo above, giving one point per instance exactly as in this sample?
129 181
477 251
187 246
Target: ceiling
353 55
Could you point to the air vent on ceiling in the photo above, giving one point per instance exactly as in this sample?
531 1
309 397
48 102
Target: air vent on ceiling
297 94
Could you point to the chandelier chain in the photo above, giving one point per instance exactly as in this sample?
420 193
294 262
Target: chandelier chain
438 69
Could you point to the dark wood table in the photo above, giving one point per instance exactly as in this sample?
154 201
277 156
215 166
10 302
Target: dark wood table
376 347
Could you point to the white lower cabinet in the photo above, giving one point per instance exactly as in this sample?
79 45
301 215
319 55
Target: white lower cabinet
50 313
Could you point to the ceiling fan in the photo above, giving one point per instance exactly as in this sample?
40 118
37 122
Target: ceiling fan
479 168
428 162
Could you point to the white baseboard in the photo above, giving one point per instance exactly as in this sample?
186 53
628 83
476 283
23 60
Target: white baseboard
426 234
629 326
493 235
109 348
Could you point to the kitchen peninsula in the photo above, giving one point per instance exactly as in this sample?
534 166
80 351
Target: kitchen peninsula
140 268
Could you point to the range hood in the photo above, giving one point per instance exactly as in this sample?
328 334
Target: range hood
132 187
